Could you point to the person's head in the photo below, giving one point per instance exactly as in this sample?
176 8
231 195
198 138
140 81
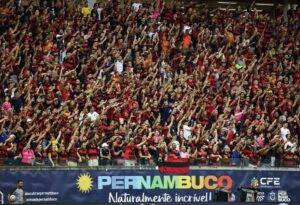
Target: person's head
181 134
20 184
38 147
174 146
227 149
54 147
145 147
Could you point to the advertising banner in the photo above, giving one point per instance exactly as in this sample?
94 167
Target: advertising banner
148 186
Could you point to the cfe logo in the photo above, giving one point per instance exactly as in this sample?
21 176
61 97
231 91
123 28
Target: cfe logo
269 182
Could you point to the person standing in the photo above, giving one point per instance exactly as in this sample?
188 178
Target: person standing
17 196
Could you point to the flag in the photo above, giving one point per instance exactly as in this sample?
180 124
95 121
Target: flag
174 166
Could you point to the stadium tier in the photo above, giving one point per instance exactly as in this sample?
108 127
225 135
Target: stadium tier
133 83
172 84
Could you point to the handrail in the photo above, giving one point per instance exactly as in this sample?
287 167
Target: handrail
107 168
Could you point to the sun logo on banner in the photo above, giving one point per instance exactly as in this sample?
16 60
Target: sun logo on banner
84 183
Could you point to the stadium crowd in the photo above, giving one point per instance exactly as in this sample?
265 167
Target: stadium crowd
134 83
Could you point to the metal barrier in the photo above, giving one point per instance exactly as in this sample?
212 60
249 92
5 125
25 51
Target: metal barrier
119 162
113 168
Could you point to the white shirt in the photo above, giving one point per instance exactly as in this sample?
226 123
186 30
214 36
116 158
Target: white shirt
187 131
150 34
291 146
136 6
99 10
13 93
81 116
284 132
19 193
185 28
119 66
93 116
184 155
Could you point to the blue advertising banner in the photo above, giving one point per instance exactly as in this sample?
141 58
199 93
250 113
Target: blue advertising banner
148 186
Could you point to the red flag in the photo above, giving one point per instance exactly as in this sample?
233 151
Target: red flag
174 166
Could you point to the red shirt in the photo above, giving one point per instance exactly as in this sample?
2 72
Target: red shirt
230 136
65 94
3 154
73 154
54 155
92 152
129 152
62 157
83 152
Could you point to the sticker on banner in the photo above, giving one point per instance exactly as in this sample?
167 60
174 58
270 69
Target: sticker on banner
260 196
85 183
209 182
283 196
267 182
272 196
